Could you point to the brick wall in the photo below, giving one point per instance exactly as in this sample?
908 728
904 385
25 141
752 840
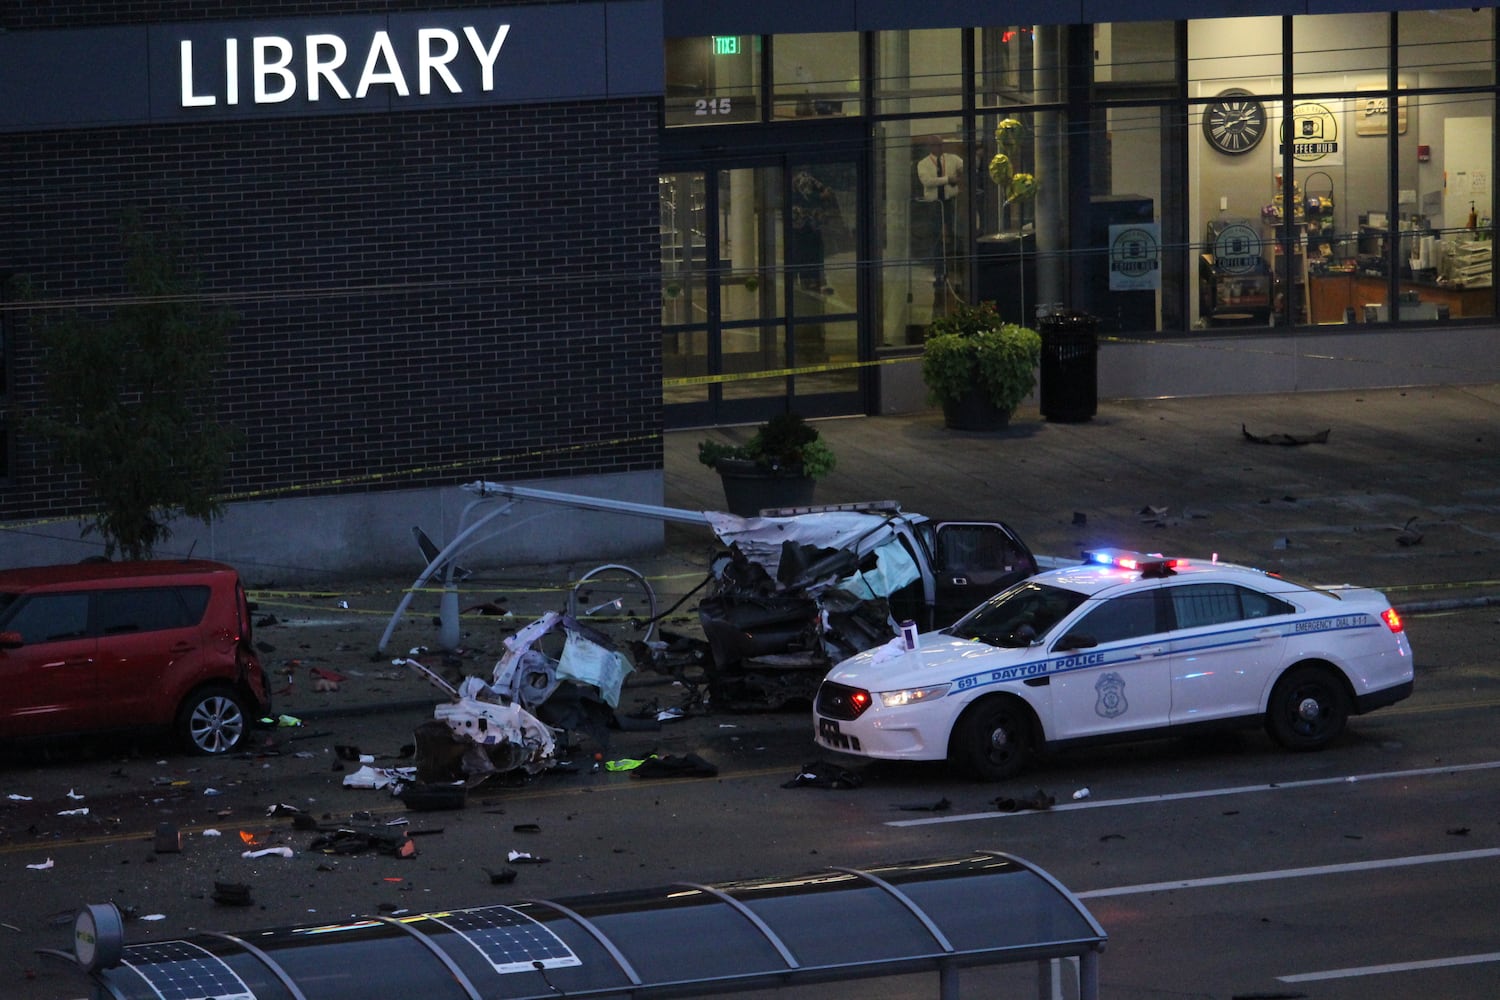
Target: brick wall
422 297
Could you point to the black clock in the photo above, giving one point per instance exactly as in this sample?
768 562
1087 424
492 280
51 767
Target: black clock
1234 122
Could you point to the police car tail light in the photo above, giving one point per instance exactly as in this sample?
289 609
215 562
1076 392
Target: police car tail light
911 696
1392 620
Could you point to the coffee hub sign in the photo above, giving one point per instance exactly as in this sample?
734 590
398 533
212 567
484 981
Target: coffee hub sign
337 64
322 66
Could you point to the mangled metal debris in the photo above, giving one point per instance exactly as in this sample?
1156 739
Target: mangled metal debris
794 591
508 723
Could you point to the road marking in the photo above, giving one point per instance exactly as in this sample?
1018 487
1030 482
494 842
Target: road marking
1204 793
1375 970
1283 873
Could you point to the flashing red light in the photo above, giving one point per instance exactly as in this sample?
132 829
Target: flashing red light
861 700
1392 621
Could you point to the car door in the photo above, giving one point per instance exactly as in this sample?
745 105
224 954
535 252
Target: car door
150 649
973 560
48 682
1110 667
1227 643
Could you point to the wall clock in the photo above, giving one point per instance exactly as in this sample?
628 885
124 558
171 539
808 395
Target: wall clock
1234 122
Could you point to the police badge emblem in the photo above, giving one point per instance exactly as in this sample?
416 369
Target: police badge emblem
1111 688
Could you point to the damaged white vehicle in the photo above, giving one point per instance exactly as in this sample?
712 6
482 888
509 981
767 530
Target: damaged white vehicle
794 592
510 722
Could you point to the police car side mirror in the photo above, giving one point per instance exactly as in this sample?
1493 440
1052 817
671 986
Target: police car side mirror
1077 640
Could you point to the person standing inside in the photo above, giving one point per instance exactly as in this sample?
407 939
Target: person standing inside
941 175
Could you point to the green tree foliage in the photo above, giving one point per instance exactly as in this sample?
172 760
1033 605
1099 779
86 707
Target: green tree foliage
130 398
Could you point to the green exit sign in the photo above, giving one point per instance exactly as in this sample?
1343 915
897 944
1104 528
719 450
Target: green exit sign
726 45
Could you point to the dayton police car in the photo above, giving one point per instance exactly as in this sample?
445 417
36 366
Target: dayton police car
1124 646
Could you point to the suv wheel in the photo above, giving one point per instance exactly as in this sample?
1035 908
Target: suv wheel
212 721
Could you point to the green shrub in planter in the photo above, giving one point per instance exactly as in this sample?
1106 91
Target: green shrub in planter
784 444
972 349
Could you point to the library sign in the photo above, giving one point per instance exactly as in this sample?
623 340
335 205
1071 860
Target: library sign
339 64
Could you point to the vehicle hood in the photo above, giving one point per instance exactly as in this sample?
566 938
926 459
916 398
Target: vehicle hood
937 658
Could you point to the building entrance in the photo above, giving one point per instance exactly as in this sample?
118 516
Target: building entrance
761 286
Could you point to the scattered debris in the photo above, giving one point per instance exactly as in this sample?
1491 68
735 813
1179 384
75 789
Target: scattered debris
1408 533
821 774
1081 794
525 858
168 839
689 765
504 876
941 805
1036 801
284 852
41 865
1321 437
231 894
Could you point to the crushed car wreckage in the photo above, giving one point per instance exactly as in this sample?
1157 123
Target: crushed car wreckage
507 724
793 592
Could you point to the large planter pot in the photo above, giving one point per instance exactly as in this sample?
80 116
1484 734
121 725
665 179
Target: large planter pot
974 412
749 488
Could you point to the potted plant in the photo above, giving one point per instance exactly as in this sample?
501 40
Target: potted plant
978 368
775 468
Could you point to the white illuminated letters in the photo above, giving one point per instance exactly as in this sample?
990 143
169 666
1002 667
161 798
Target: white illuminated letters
272 57
320 66
320 69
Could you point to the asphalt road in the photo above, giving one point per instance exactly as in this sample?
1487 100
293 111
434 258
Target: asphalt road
1221 869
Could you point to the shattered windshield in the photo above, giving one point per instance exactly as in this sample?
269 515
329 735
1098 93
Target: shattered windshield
1018 616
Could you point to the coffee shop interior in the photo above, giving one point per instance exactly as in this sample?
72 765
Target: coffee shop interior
1268 171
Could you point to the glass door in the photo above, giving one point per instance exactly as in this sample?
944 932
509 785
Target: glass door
760 289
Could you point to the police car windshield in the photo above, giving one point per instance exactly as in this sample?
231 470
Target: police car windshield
1017 617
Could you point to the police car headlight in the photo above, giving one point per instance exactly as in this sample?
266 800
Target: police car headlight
895 699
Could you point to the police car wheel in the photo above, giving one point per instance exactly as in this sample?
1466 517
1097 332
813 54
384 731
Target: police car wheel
992 741
1308 709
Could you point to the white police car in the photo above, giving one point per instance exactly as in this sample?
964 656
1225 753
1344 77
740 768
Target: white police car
1123 646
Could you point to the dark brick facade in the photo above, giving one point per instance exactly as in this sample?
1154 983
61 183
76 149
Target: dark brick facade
423 297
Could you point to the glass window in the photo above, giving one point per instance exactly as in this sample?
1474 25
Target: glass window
50 618
1234 203
1128 617
1020 64
1339 52
1130 54
920 228
919 71
815 75
713 81
1447 48
119 611
1018 616
1200 604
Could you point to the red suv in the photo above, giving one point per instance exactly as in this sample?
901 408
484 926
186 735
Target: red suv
101 645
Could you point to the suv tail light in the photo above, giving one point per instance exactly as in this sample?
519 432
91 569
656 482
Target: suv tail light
1392 620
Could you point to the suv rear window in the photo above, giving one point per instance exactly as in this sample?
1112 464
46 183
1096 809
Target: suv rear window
148 609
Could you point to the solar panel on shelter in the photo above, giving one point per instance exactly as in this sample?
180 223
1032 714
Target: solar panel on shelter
181 970
508 939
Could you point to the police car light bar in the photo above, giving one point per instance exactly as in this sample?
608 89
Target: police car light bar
1148 564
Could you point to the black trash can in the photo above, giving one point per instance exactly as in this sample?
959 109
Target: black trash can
1069 377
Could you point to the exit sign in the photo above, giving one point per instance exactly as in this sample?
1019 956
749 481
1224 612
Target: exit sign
726 45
